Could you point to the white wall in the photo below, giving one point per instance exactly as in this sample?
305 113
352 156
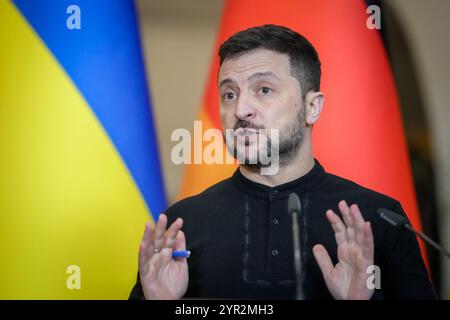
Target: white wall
426 25
178 39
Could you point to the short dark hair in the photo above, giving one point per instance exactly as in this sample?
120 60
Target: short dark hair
303 58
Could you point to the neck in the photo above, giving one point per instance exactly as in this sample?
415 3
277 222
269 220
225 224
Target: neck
300 165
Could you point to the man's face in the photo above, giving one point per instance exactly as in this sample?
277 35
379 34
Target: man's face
258 91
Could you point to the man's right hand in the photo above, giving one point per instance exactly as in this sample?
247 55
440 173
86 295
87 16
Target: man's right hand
163 277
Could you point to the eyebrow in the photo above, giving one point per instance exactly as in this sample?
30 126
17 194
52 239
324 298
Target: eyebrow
252 77
263 74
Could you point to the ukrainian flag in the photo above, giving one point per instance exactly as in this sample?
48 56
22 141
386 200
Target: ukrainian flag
79 168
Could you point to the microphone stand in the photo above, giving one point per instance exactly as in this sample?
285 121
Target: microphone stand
401 222
428 240
294 209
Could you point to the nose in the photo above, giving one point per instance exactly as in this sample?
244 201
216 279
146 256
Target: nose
245 109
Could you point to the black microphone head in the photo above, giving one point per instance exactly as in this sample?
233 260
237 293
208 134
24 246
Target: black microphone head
392 218
294 203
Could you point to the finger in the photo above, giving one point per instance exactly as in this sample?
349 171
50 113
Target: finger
143 259
335 221
147 242
345 211
147 236
159 231
338 227
368 243
358 223
356 214
145 254
180 241
323 260
171 233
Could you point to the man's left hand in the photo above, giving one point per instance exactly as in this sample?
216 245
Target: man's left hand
347 280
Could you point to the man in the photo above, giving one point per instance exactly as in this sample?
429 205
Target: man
239 231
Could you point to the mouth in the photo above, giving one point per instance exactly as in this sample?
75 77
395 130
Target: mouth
246 136
245 132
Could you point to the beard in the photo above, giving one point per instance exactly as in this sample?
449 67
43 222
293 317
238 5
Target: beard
290 140
291 137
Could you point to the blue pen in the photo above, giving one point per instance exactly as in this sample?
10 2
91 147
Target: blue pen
181 254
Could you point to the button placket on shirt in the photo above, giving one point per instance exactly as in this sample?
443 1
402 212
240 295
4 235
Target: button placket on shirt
273 249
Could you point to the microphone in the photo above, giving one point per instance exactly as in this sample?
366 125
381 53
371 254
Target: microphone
295 209
401 222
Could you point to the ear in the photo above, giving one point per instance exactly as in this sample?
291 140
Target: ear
313 104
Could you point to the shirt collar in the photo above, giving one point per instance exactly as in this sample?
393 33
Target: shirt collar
300 185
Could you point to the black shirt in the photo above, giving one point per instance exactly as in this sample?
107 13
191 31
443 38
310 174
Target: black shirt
240 238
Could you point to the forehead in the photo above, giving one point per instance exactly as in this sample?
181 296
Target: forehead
254 61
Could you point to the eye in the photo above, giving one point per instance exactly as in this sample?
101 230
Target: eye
228 96
265 90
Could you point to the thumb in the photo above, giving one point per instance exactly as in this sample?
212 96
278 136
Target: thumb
323 260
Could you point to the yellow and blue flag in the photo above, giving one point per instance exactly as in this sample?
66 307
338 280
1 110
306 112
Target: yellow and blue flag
79 167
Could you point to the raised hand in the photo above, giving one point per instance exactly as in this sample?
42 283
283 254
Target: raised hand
348 278
163 277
